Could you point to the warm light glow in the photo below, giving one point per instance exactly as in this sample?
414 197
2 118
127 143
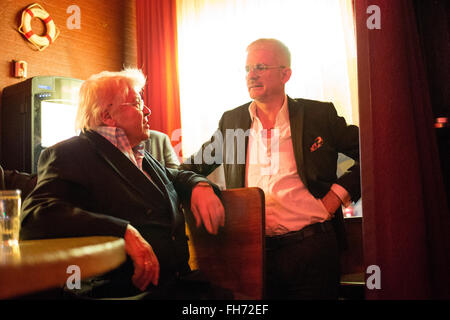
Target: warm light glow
57 122
213 36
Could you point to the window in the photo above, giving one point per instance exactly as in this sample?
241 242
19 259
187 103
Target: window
213 36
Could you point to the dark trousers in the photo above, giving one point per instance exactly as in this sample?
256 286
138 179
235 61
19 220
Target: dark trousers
303 265
192 285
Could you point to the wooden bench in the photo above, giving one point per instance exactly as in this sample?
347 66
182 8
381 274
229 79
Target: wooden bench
234 258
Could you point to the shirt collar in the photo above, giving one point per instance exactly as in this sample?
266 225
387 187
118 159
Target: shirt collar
115 135
119 139
139 150
283 114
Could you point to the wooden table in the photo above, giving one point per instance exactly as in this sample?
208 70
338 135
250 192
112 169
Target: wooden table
37 265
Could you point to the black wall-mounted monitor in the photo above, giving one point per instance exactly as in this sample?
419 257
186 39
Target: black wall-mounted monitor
36 114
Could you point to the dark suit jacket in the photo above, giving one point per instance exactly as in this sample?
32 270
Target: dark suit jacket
309 120
87 187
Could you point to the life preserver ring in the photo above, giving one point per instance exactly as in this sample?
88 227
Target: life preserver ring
40 42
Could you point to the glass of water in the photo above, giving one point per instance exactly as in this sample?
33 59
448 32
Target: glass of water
10 203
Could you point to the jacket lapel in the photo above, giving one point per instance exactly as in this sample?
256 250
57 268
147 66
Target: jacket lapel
245 122
131 174
150 167
296 117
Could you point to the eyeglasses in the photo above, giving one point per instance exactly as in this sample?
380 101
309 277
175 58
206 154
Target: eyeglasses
260 68
138 104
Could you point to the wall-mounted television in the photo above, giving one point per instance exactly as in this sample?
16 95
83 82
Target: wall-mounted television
35 114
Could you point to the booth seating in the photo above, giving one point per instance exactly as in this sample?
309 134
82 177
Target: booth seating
234 258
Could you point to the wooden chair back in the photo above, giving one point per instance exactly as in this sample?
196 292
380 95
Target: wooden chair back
234 258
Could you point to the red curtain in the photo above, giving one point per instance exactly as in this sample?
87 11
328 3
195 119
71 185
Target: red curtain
406 223
156 23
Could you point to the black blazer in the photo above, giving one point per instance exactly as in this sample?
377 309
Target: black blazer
309 120
87 187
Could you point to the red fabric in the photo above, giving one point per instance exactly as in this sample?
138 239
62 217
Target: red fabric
406 222
157 57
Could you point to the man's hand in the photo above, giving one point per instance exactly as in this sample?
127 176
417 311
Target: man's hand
331 202
207 208
146 265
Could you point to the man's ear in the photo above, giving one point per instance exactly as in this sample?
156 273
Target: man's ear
287 72
107 119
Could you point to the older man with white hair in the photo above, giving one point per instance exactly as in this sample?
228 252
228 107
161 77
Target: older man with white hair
102 182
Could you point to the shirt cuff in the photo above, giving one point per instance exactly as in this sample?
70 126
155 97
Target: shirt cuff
342 194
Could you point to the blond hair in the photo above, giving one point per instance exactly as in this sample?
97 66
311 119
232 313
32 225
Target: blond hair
99 91
276 45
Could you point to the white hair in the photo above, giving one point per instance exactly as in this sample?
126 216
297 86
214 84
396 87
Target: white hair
99 91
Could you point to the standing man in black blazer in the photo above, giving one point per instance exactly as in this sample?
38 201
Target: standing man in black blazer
289 148
102 182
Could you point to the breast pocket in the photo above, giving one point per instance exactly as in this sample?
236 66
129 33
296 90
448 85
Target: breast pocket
320 158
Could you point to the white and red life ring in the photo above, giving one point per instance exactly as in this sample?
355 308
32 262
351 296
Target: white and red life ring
40 42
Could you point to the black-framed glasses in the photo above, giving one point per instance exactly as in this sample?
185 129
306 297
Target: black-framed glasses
260 68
